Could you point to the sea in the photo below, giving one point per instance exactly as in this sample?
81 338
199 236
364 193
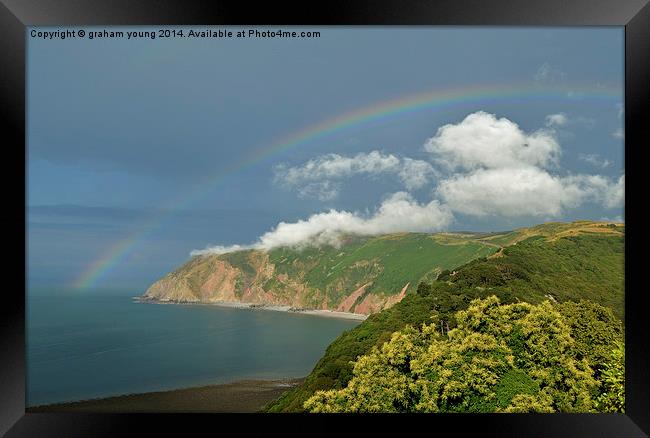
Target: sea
100 344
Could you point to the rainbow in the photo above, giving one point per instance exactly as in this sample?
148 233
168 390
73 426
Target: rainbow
435 100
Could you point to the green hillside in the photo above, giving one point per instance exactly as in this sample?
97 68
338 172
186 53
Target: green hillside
362 275
389 262
556 262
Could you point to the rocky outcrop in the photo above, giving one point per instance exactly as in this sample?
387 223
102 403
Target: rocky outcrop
348 303
373 303
213 278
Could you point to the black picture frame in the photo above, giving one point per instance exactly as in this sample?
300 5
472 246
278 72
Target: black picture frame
15 15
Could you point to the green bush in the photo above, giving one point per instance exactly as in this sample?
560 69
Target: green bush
471 368
612 397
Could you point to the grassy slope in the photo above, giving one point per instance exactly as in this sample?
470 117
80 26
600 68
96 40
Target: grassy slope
389 261
564 261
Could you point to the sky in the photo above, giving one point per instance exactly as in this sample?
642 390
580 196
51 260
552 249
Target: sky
142 152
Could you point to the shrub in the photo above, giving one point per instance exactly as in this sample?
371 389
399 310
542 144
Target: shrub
473 368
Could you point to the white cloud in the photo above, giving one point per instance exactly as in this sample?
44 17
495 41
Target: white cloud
415 173
562 120
527 191
511 192
322 190
548 74
319 171
506 172
400 212
482 140
618 133
219 249
337 166
595 160
600 189
614 194
559 119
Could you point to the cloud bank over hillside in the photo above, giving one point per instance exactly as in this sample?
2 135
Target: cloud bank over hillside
481 166
399 212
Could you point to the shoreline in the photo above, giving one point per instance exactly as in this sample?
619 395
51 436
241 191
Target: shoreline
256 306
239 396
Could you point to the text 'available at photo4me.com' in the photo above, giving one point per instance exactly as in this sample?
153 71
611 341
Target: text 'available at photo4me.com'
182 33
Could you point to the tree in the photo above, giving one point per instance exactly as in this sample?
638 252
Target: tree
499 358
595 329
612 398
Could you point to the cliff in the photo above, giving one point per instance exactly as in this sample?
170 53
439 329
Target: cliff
364 275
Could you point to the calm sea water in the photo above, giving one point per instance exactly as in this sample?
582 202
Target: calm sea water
81 347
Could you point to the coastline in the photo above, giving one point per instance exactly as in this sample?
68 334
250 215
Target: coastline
254 306
234 397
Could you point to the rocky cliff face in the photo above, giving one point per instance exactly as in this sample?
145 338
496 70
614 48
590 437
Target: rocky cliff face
209 279
364 276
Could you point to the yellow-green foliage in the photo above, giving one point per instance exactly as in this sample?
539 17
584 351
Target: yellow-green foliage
612 397
500 358
595 329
